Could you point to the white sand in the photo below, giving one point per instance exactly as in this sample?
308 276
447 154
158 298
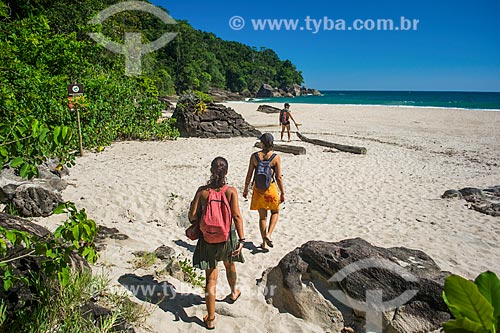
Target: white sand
389 197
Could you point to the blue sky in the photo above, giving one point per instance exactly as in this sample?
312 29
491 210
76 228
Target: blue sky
456 46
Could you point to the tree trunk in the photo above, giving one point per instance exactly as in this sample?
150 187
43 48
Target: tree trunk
349 149
287 149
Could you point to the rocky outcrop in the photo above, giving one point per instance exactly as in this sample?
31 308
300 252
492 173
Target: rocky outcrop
328 283
268 109
486 201
35 197
221 95
209 120
267 91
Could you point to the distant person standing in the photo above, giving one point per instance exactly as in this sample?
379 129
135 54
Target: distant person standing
285 116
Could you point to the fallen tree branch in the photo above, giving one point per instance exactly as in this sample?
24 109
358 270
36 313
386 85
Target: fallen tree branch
287 149
349 149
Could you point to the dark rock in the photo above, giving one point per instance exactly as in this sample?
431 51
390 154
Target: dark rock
164 252
295 90
487 207
98 314
20 296
54 166
451 194
268 109
216 121
471 192
304 286
33 201
486 201
494 190
104 233
265 91
221 95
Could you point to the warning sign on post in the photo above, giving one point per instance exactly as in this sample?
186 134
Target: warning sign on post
75 89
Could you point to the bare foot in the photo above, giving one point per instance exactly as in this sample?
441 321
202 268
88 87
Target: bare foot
234 296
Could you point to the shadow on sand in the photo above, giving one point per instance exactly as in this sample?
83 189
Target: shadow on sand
163 294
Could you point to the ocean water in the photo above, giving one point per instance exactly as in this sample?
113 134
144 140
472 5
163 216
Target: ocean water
442 99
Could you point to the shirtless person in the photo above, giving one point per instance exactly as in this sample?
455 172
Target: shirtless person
285 116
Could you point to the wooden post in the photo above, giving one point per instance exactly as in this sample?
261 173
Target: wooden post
349 149
79 131
76 90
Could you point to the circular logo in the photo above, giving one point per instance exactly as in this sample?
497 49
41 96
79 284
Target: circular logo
75 89
236 23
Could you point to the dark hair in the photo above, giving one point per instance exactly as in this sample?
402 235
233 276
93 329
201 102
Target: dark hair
286 104
268 146
218 170
267 140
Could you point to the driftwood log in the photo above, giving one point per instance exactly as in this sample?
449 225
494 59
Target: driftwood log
287 149
349 149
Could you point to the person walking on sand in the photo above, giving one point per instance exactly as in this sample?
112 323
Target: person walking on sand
216 207
285 116
265 166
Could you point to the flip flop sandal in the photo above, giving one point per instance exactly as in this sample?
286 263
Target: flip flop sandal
206 320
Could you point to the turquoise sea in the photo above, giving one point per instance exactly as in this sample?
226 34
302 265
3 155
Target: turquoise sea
443 99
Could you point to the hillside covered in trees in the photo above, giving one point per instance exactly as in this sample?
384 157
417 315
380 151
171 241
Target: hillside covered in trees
45 45
194 60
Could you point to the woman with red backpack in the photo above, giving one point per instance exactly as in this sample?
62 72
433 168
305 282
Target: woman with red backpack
215 207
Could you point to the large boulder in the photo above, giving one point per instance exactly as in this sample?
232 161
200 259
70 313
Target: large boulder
37 196
327 283
221 95
268 109
31 200
212 121
265 91
295 90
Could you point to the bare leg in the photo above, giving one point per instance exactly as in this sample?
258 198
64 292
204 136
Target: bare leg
272 223
288 131
263 225
231 278
210 292
282 131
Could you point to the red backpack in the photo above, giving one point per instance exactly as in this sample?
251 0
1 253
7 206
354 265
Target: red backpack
216 220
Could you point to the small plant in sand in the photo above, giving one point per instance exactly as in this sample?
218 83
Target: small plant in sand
475 305
144 260
191 274
66 308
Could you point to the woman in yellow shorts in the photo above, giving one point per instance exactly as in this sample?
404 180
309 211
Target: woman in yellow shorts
269 199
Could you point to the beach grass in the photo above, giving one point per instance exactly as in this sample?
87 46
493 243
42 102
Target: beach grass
68 309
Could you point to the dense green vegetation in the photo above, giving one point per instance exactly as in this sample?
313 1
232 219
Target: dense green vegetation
44 46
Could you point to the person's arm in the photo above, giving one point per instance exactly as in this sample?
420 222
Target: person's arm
237 218
291 117
248 179
279 178
193 208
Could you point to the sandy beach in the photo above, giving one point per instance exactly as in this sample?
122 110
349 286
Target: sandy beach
390 197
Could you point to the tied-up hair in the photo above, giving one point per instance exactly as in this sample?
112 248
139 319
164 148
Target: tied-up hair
218 170
267 146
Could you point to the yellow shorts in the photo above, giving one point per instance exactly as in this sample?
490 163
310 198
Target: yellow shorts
265 199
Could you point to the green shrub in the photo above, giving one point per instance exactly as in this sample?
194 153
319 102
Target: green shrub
475 305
